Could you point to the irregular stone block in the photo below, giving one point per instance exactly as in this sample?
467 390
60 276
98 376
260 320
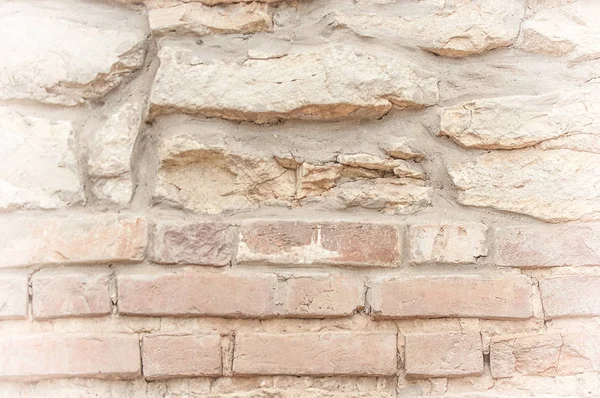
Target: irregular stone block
554 185
39 166
41 34
452 28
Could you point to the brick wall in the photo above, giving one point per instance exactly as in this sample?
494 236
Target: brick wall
341 199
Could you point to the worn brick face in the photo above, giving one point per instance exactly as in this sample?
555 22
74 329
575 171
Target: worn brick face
71 240
447 243
70 292
319 354
13 295
527 246
451 354
49 355
189 293
305 243
506 297
171 356
201 243
571 296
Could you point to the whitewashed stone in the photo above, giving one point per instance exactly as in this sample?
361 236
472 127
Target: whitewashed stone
570 30
563 120
553 185
39 167
391 195
110 153
359 85
447 243
198 19
455 28
398 166
65 58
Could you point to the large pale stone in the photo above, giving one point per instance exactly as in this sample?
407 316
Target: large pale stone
567 120
39 168
455 28
359 85
184 18
554 185
65 58
570 30
110 152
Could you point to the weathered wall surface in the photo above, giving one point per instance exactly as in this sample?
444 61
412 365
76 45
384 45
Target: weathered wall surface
333 198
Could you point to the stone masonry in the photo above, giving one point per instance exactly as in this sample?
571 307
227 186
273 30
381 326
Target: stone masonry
299 198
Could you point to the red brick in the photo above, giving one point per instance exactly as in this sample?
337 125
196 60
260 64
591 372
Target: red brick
506 297
452 354
49 356
13 295
447 243
571 296
315 354
72 240
70 292
190 293
548 246
340 243
181 356
200 243
314 294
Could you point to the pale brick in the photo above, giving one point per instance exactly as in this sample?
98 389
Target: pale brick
451 354
507 297
570 296
328 353
531 354
306 243
189 293
50 355
447 243
181 356
13 295
549 354
70 292
74 240
320 295
548 246
201 243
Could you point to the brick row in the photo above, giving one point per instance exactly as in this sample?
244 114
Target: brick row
77 292
111 238
166 356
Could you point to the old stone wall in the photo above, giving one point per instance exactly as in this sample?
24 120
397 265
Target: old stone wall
311 198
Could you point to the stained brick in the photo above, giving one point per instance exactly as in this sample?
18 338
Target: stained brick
297 242
317 354
202 243
447 243
506 297
167 356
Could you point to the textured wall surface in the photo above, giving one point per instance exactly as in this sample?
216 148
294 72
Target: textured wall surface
311 198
